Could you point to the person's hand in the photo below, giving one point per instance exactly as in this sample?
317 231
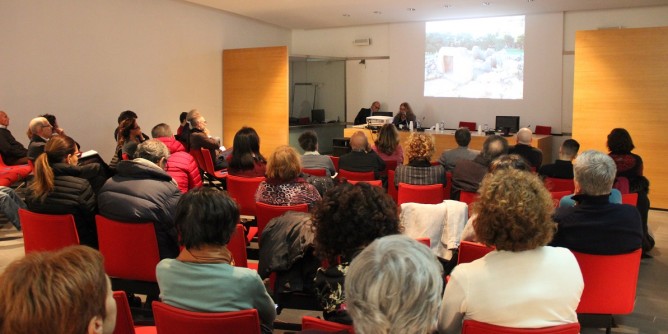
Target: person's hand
59 131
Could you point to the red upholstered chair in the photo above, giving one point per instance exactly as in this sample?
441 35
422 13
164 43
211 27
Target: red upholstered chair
243 189
265 212
426 194
557 195
471 251
448 186
47 232
315 171
476 327
125 156
554 184
357 176
630 198
425 241
197 154
543 130
469 125
609 284
391 188
390 165
237 246
124 323
209 169
377 183
335 161
172 320
468 197
324 325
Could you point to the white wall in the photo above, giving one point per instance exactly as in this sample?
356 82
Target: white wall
87 60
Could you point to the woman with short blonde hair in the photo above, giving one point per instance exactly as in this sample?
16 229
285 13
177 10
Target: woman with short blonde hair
283 185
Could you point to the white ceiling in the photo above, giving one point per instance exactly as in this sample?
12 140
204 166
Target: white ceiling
316 14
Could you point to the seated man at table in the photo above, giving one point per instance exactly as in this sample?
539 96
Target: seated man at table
524 149
366 112
362 158
562 168
450 157
594 225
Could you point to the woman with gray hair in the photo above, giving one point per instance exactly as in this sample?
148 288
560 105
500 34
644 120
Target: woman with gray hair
394 286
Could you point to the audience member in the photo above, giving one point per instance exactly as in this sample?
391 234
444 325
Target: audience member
468 174
283 185
630 166
12 152
387 146
562 168
345 221
200 139
60 187
203 277
56 130
523 147
61 292
182 124
10 203
128 114
246 159
40 131
594 225
513 215
185 133
141 191
404 117
129 132
366 112
449 158
419 169
311 159
361 158
180 165
394 286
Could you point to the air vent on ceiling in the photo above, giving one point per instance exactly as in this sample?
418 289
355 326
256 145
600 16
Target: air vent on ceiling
362 42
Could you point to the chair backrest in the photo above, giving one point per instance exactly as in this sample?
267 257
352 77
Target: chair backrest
265 212
557 195
237 246
390 164
125 156
471 251
357 176
425 194
208 161
243 189
630 198
124 321
448 186
130 250
377 183
335 161
469 125
476 327
468 197
197 154
391 188
324 325
47 232
543 130
315 171
610 282
424 240
172 320
554 184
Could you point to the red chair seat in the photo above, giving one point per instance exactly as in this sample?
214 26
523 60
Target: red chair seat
311 323
356 176
471 251
426 194
43 232
266 212
172 320
243 189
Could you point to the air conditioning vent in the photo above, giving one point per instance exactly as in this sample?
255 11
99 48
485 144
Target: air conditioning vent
362 42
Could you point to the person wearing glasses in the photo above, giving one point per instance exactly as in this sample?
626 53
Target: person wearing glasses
39 131
200 138
61 187
366 112
129 136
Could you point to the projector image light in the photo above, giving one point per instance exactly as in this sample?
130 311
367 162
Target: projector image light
376 122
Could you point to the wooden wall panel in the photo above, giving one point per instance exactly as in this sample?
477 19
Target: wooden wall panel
621 80
255 94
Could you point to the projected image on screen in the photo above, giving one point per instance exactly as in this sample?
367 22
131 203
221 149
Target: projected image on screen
475 58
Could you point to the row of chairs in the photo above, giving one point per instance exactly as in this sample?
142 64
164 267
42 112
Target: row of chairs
12 174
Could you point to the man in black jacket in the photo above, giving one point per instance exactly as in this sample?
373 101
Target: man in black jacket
13 152
366 112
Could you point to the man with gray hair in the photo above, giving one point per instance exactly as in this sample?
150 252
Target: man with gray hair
594 225
141 191
524 149
40 131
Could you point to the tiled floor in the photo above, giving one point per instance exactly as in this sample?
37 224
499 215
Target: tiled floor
649 317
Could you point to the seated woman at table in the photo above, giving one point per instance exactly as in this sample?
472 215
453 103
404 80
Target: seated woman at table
283 185
403 118
419 170
387 146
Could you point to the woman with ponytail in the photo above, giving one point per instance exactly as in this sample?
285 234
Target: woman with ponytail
60 187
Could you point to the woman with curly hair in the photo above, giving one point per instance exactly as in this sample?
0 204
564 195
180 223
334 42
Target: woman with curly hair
404 116
283 185
419 170
523 283
345 221
387 146
630 166
129 136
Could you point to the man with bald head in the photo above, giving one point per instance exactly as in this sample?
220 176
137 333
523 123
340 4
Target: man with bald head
366 112
468 174
361 158
524 149
13 152
41 131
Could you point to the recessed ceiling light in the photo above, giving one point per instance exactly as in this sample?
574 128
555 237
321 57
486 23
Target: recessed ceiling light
486 3
410 9
377 12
